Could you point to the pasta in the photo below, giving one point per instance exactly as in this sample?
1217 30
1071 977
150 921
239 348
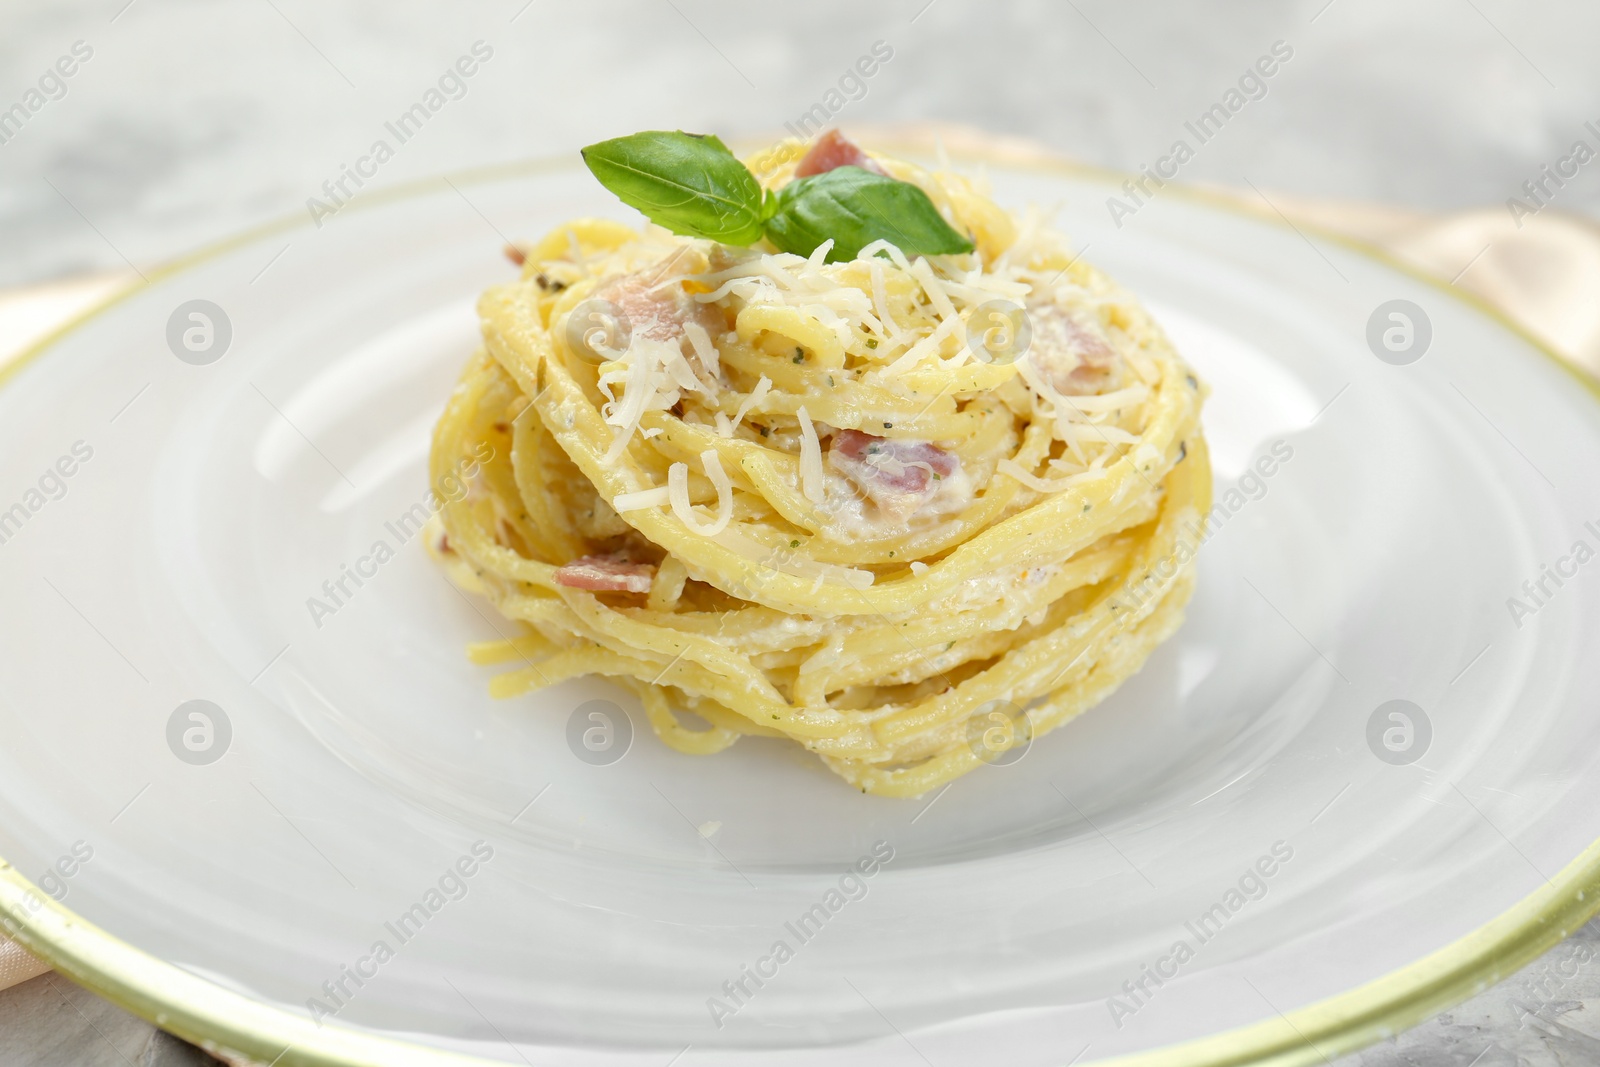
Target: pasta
909 512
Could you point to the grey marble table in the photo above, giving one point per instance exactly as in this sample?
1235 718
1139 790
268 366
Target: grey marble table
182 121
49 1022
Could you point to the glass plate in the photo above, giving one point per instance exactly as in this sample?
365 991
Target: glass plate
1357 784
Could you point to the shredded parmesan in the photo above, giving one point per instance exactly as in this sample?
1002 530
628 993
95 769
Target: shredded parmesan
678 494
654 374
1112 435
641 379
810 458
1122 398
669 355
700 341
644 498
1012 469
934 288
1062 414
880 297
897 257
928 346
763 387
1142 364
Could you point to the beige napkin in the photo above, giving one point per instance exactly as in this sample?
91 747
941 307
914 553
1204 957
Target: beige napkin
17 965
1543 276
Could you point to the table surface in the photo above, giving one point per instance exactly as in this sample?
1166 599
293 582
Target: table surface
189 121
193 120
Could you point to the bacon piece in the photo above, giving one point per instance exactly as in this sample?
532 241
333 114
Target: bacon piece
657 311
893 474
1073 356
833 149
609 573
516 255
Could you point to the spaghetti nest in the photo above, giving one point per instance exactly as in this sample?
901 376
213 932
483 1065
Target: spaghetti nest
910 513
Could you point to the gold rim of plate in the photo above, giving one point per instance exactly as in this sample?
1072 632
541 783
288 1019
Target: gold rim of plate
233 1025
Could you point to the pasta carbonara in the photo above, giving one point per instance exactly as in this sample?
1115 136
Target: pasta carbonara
910 512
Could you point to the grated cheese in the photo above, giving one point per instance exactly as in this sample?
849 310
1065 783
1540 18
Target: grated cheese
934 288
810 458
641 380
678 494
763 387
700 341
644 498
1013 470
929 345
1123 398
897 257
1112 435
880 297
1143 365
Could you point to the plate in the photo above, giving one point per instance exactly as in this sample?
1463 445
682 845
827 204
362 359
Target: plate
251 787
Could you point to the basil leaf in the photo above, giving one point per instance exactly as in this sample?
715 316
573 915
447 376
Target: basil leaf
856 207
689 183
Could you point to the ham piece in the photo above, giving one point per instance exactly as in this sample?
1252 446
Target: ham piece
1072 356
894 474
833 149
610 573
657 311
